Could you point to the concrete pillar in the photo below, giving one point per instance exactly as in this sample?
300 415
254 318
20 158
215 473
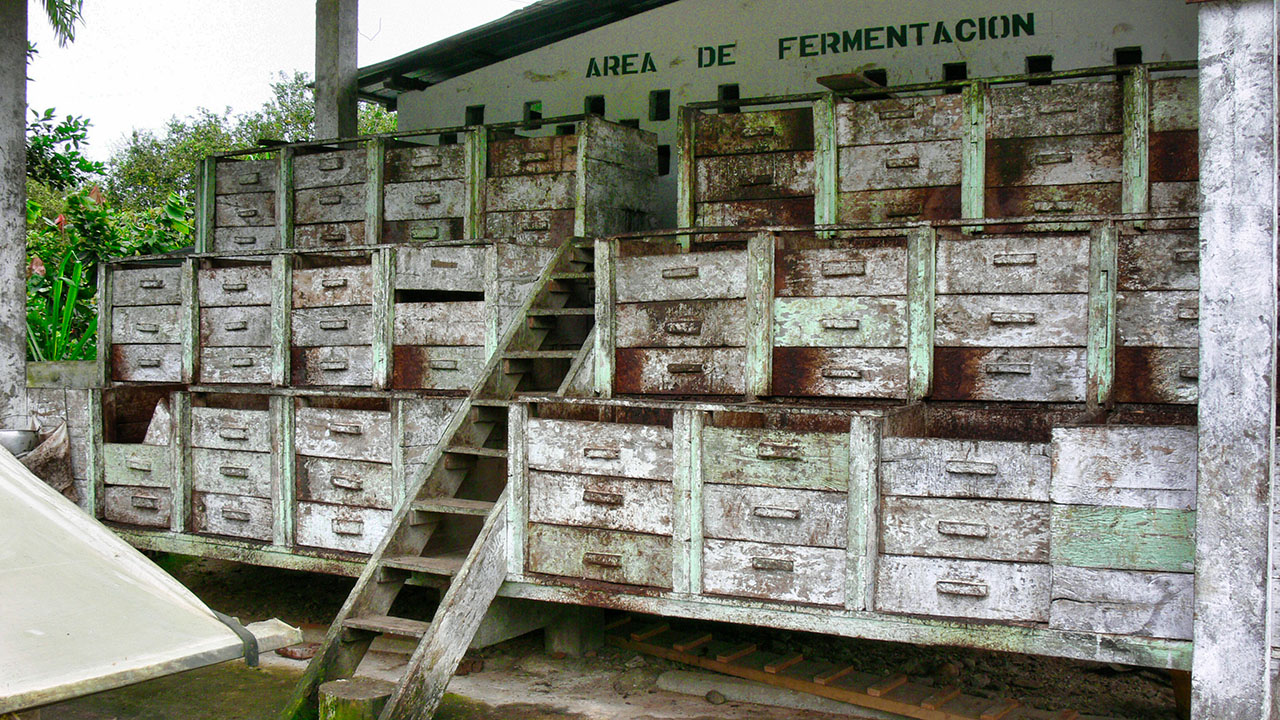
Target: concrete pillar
1232 659
335 68
13 213
576 631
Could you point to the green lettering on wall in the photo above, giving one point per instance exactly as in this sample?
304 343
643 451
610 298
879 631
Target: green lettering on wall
940 34
593 70
1025 24
960 34
852 42
897 36
647 65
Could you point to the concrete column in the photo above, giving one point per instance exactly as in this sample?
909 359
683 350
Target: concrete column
13 213
1230 669
335 68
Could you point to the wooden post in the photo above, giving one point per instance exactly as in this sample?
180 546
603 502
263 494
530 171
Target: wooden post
606 257
13 214
577 630
973 153
355 699
1230 675
335 68
759 371
826 154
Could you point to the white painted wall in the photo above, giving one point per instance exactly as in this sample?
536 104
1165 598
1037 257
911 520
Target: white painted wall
1079 33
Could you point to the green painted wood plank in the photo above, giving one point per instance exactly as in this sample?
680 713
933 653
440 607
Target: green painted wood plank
921 292
97 465
825 162
375 162
105 301
973 169
606 255
834 321
283 486
682 512
476 147
517 487
281 317
384 276
697 423
284 197
1121 538
189 322
685 177
1136 180
864 503
180 457
205 189
759 369
1102 315
586 136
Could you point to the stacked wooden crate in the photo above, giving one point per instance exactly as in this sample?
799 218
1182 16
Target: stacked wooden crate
339 305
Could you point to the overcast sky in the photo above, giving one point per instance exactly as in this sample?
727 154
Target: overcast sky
136 63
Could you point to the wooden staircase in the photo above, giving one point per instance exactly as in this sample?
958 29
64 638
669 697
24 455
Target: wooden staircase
433 534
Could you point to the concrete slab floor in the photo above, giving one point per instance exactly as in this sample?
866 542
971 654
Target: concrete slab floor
516 685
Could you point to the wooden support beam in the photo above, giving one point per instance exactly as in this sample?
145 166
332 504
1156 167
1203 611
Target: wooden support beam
1232 628
759 368
336 82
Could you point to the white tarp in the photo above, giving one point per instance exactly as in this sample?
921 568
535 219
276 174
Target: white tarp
82 611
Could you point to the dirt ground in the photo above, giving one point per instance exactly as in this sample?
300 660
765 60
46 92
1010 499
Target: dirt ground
533 686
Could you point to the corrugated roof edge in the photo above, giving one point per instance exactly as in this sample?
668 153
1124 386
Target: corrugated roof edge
529 28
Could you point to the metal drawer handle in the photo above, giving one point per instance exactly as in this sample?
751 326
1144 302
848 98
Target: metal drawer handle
905 114
1057 157
1189 373
1187 256
1013 259
426 199
773 564
135 463
904 211
149 362
776 513
903 163
348 527
236 326
1188 313
596 497
234 287
1054 207
423 161
445 264
1007 368
685 368
333 283
145 502
247 212
677 273
959 587
443 364
332 163
534 157
1013 318
233 471
330 199
960 529
843 268
333 238
235 515
343 482
250 179
841 323
146 327
244 240
1057 108
424 233
336 324
346 428
842 373
234 433
540 227
594 453
684 326
758 132
756 181
150 284
241 362
606 560
970 467
777 451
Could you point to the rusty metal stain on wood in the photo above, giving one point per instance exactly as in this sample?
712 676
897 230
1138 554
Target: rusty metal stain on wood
1069 160
842 372
1157 375
899 204
1174 156
754 132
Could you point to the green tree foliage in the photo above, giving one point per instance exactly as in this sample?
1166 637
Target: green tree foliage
152 164
63 16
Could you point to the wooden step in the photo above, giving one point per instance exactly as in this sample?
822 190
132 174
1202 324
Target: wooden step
541 354
477 451
388 625
446 564
577 276
453 506
491 402
559 312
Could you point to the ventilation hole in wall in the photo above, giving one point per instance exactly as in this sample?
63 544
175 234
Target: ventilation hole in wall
533 110
664 160
659 105
566 129
474 115
593 105
631 123
729 91
1039 64
448 138
955 71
